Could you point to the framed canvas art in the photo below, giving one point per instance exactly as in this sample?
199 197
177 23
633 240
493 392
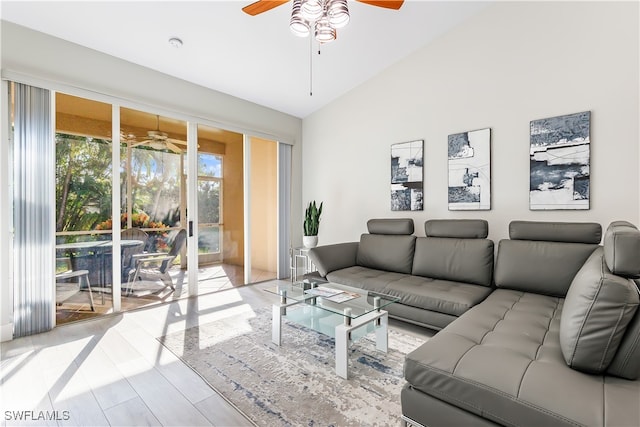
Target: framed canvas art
559 162
406 176
470 170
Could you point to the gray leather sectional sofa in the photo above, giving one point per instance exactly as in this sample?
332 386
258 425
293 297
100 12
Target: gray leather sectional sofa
437 278
555 341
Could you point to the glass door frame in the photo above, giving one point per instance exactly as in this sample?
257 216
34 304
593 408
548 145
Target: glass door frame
211 257
192 207
116 228
116 103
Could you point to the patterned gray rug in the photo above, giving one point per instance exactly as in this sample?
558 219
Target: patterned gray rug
295 384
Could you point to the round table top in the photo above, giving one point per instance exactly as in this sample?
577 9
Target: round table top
98 244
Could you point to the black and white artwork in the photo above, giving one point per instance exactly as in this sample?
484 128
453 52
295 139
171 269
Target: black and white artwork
559 162
470 170
406 176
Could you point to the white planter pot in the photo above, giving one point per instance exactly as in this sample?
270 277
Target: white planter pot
310 241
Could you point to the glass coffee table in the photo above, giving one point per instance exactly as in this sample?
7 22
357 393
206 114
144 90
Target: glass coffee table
340 311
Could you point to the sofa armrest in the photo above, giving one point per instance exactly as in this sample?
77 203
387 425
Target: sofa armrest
330 258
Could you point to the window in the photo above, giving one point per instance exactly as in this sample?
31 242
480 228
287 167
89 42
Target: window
209 206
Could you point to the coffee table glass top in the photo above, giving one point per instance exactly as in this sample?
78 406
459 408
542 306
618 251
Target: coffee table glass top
334 297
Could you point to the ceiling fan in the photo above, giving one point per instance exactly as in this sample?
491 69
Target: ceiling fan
322 17
158 140
261 6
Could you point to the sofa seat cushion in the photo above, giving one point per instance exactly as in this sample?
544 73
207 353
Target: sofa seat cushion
441 296
365 278
502 360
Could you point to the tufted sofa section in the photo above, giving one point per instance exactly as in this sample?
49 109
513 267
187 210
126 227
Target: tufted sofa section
556 344
437 278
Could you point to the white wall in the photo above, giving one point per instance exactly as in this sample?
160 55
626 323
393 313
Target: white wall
36 54
512 63
36 57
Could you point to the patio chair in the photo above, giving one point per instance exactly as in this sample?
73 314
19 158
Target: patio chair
156 266
135 234
128 252
65 288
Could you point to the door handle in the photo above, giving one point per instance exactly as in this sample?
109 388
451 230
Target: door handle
190 228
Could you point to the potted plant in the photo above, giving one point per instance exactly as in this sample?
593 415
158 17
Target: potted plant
311 225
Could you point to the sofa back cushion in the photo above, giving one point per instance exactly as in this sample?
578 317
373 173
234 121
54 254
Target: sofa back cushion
626 362
386 252
597 309
622 254
543 257
389 246
458 260
455 250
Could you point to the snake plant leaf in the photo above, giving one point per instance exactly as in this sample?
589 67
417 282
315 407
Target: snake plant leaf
312 219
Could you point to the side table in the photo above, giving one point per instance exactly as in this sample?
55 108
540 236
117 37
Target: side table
300 262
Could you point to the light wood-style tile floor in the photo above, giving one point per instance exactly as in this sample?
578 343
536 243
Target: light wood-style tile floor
112 370
211 278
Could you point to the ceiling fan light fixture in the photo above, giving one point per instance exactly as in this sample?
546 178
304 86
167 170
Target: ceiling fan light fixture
157 145
312 9
324 16
325 33
338 13
298 25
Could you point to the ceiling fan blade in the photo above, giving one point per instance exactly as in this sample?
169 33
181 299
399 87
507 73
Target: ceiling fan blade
173 147
135 144
388 4
176 141
262 6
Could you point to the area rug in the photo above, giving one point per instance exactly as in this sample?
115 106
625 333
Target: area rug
296 384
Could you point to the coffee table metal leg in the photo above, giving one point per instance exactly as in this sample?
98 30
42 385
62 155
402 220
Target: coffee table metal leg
276 323
342 351
343 332
277 312
342 345
382 332
342 355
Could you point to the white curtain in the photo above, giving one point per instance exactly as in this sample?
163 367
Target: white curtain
284 209
33 211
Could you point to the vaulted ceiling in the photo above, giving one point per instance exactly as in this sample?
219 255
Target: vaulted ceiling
256 58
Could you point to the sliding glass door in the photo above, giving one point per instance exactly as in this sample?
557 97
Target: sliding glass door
210 190
151 184
153 193
127 186
237 195
83 182
263 211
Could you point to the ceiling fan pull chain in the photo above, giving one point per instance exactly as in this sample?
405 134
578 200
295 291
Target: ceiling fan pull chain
310 66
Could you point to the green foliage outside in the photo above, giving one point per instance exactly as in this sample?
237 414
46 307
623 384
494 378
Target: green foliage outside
83 182
83 188
83 185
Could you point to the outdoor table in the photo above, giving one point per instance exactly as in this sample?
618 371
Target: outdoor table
97 249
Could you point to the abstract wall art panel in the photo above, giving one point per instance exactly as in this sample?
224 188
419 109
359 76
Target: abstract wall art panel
470 170
406 176
559 162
